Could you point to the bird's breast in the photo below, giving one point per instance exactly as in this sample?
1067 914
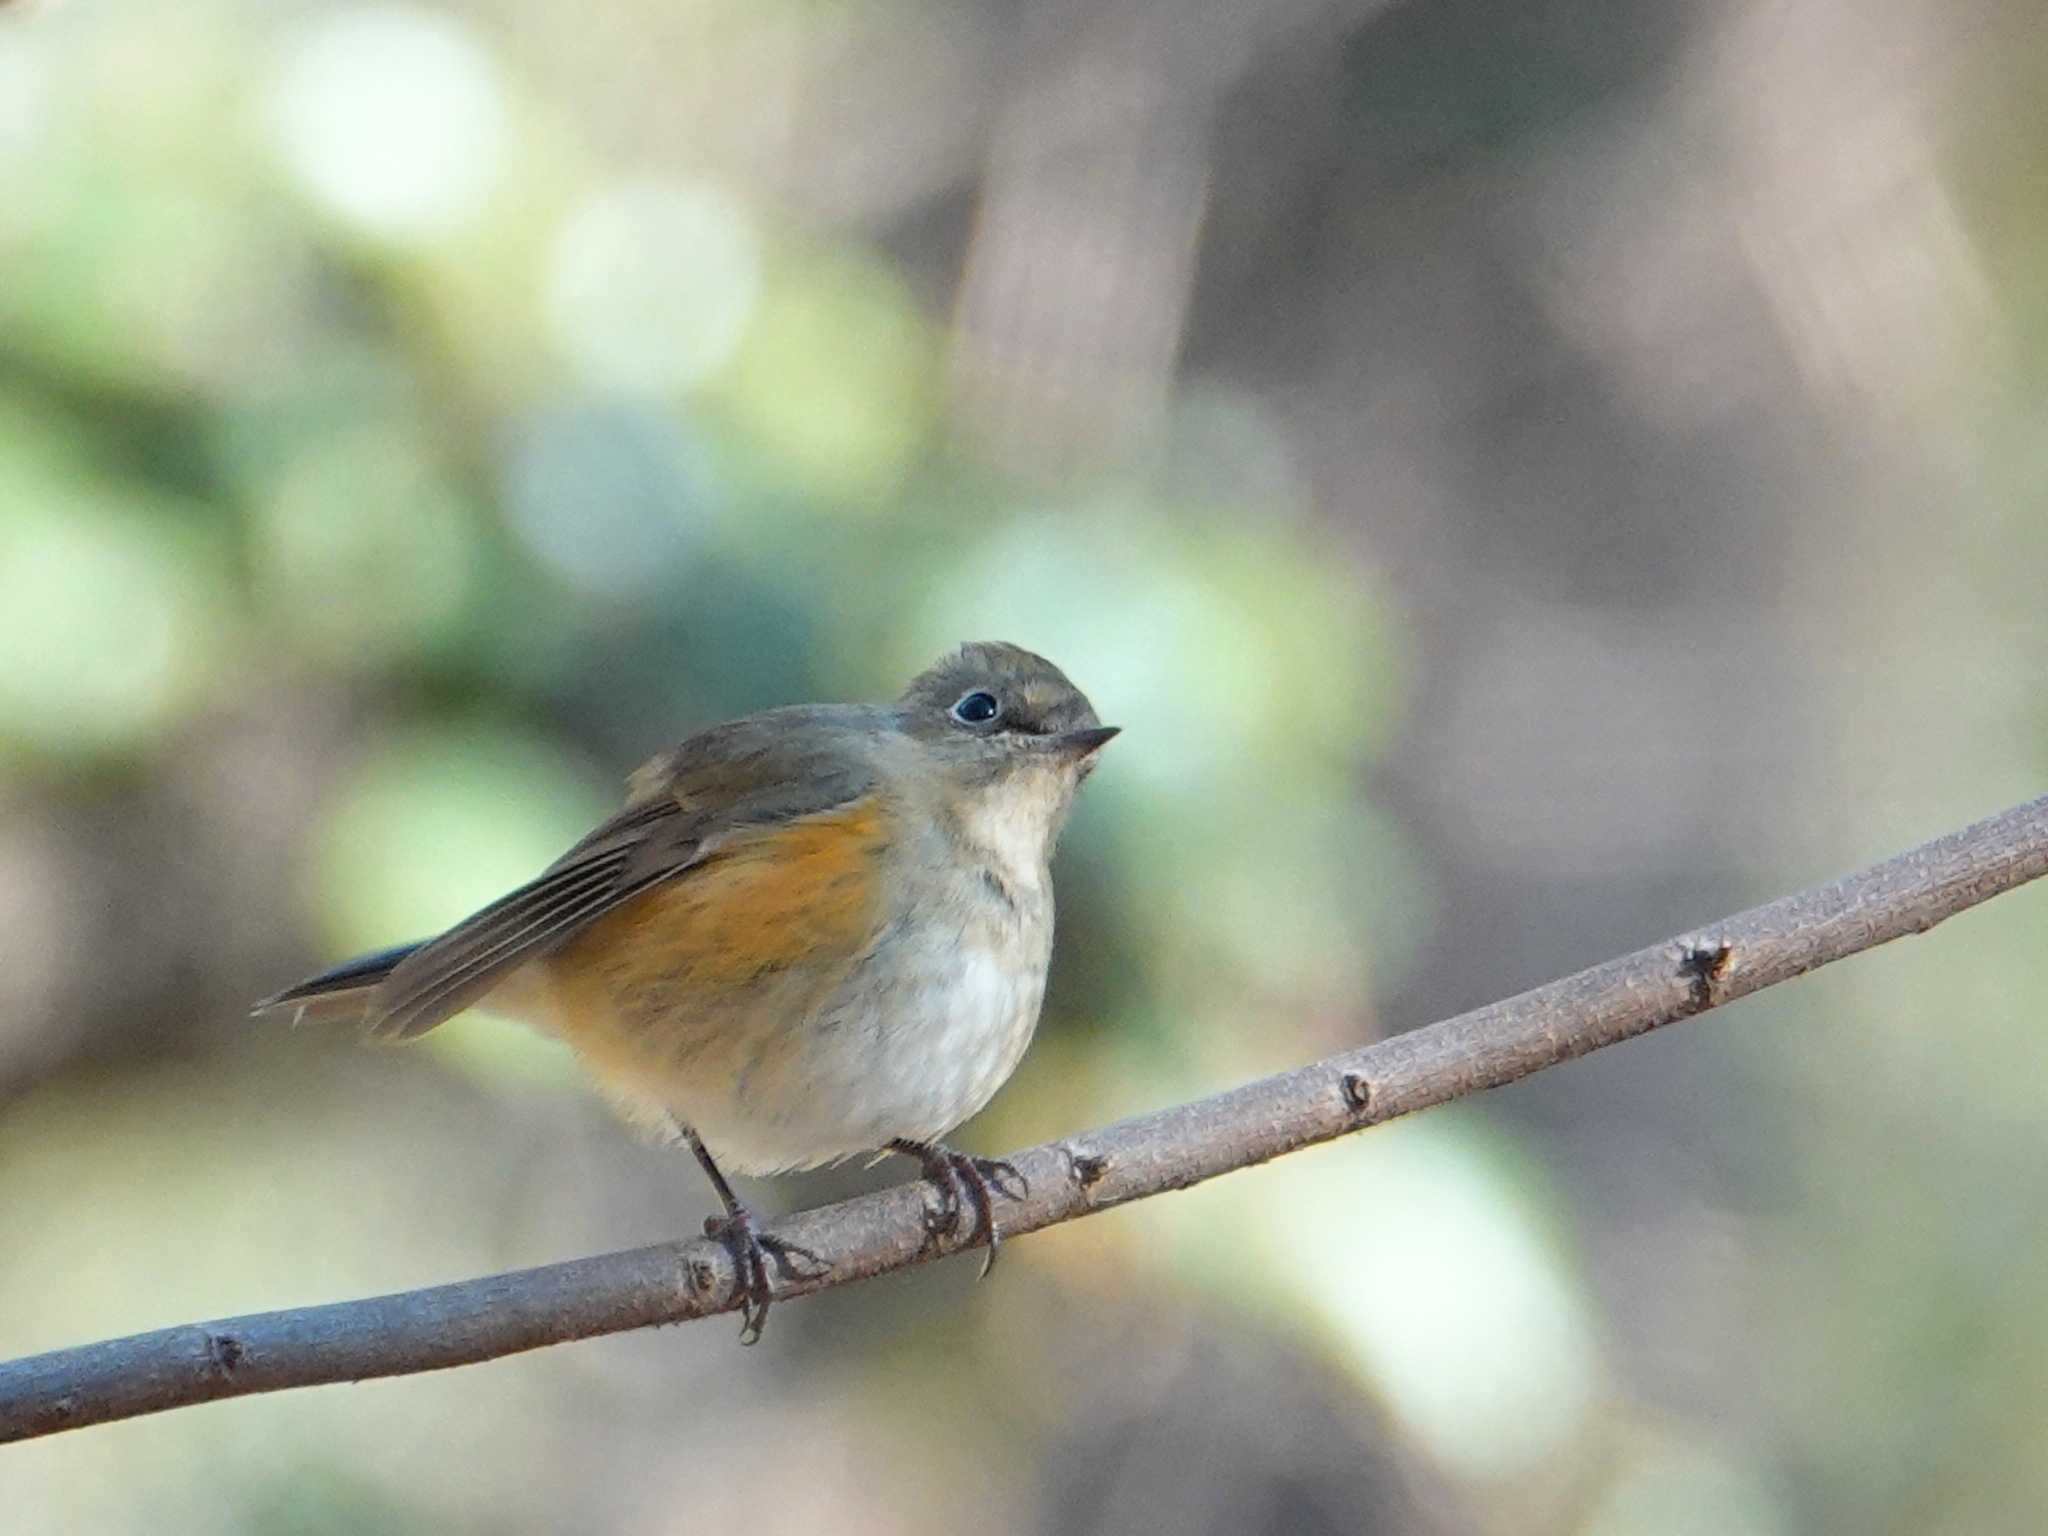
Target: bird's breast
952 1001
816 1004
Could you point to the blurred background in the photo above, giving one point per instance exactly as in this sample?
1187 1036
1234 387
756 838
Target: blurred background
1530 475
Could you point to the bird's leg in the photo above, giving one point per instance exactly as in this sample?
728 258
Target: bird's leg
740 1230
963 1180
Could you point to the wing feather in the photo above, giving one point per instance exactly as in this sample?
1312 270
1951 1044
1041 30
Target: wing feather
683 806
434 984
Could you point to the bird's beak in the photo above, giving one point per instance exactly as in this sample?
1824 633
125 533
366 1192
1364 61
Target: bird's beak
1085 744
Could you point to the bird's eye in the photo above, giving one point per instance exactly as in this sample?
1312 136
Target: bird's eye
976 708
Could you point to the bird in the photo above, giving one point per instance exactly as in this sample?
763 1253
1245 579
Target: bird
811 933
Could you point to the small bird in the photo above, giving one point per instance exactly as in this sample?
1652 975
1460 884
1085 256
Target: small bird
813 932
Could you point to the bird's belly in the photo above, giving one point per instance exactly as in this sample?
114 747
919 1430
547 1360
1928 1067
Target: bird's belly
913 1039
911 1049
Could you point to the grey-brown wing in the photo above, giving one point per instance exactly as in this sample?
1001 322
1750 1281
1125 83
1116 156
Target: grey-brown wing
442 977
736 775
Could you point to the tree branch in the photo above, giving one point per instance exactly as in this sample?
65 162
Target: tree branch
1171 1149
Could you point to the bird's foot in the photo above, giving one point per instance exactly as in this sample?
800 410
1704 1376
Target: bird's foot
965 1182
752 1252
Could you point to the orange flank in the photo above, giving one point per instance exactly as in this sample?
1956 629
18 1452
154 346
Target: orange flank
774 905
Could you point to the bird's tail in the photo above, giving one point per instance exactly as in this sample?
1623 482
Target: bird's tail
342 993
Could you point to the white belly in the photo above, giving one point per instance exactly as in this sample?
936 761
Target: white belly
911 1054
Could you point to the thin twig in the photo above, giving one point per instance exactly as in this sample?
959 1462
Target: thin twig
674 1282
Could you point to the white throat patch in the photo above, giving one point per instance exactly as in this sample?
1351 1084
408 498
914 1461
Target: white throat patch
1014 823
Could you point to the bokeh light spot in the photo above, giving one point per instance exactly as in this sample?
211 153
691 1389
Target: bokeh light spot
1441 1290
110 622
389 117
611 497
833 382
24 97
652 284
1689 1491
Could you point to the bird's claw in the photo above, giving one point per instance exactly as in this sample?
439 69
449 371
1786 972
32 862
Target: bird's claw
965 1182
752 1252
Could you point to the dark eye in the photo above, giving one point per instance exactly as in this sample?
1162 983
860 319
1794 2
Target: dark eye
976 708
